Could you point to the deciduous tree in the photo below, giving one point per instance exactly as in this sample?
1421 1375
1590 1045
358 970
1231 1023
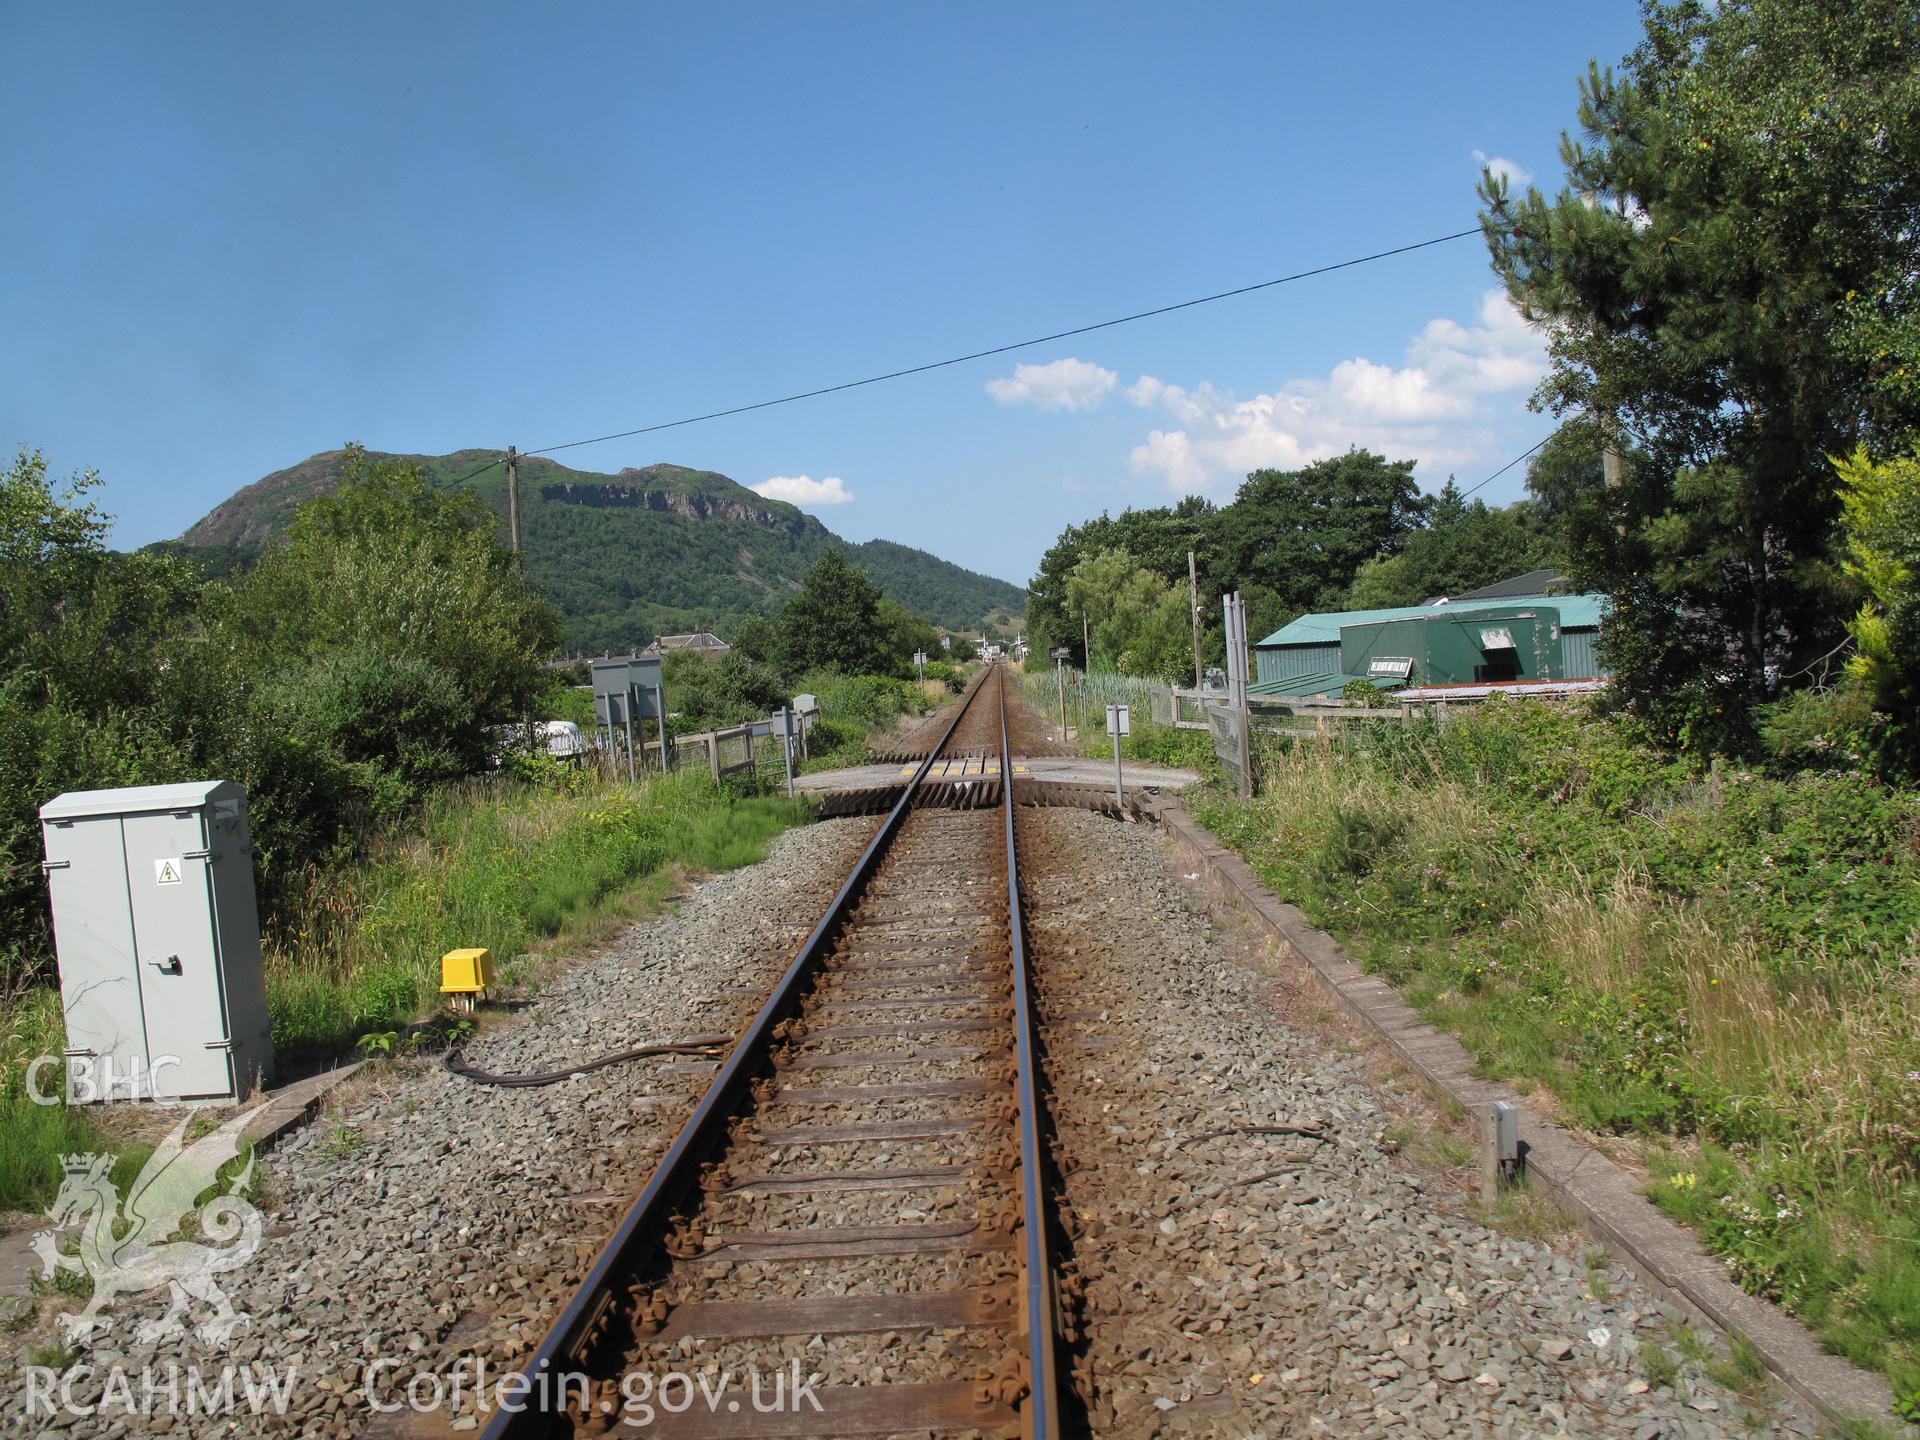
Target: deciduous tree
833 621
1302 535
1138 621
1464 546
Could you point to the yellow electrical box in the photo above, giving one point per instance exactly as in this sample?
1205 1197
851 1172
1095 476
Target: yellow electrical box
465 972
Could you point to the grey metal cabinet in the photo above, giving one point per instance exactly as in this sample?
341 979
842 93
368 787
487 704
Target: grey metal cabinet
158 939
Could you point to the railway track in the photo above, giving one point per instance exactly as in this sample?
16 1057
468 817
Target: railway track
865 1178
979 734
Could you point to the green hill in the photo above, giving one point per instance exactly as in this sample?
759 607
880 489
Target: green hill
629 556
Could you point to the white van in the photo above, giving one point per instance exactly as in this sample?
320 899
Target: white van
562 738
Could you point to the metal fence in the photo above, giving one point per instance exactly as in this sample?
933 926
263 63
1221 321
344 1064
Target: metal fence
1177 709
735 750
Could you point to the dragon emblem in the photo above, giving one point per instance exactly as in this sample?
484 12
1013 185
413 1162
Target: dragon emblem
126 1247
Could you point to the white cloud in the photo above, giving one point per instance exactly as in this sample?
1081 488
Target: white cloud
1068 384
1435 408
804 490
1514 174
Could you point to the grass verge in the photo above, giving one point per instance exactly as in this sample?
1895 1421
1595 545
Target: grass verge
505 867
1719 963
853 707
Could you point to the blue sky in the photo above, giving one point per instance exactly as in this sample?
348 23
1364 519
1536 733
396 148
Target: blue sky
239 234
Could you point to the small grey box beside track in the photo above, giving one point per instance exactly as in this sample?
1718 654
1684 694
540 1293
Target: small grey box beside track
158 938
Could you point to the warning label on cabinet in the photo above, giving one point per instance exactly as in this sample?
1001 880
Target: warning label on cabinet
167 872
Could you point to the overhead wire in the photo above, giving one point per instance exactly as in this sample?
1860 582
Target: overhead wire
1528 454
992 351
1006 349
471 473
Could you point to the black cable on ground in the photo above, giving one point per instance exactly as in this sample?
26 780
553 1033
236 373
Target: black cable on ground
708 1045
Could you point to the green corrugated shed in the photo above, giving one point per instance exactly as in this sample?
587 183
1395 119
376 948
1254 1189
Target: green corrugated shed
1307 687
1579 654
1577 612
1453 645
1296 661
1310 646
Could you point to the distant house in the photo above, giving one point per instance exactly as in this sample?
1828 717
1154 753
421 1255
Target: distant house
703 642
1515 632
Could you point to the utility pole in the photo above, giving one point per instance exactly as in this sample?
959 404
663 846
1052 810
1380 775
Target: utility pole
513 541
1611 470
513 498
1193 604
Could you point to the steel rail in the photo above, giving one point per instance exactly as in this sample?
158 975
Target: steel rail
1044 1408
582 1322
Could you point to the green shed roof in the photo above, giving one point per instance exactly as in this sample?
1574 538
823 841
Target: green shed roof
1318 682
1577 612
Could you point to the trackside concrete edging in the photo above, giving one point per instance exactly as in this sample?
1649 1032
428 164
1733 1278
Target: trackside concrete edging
1663 1253
293 1105
286 1109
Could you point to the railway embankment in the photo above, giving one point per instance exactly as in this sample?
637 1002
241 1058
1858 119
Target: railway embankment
1708 971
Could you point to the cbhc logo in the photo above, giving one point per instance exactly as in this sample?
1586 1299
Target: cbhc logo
94 1078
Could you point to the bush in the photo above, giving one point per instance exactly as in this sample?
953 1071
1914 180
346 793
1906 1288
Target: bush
1354 842
948 674
716 692
1823 728
358 666
1364 694
1164 745
866 701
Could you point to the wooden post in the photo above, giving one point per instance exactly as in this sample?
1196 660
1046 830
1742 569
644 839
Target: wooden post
713 754
513 498
1612 472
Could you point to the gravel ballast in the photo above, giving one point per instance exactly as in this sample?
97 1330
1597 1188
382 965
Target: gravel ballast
427 1219
1260 1284
1236 1283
